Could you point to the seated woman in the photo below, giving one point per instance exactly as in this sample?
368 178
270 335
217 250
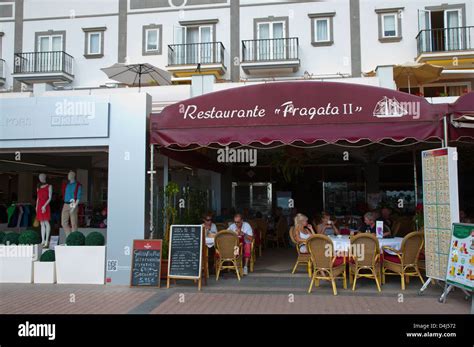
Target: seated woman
327 226
302 231
210 228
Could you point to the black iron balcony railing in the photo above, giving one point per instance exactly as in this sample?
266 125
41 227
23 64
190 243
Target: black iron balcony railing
445 39
2 69
196 53
43 62
270 50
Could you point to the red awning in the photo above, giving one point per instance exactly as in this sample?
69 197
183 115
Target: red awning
288 112
462 118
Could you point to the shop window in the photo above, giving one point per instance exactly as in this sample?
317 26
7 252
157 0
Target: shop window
322 29
390 24
152 40
94 42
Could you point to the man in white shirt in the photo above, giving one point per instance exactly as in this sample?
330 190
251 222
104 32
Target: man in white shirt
244 231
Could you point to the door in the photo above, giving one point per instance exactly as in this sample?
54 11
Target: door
271 44
206 54
49 57
193 45
179 40
452 32
424 27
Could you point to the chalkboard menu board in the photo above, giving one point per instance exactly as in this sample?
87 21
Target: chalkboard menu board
185 254
146 263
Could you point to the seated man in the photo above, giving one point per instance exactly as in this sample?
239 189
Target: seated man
369 225
245 233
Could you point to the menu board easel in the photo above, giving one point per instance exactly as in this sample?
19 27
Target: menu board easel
146 263
185 253
441 208
460 272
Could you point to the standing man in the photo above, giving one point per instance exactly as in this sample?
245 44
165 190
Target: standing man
72 192
245 233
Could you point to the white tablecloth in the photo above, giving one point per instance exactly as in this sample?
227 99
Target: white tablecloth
342 243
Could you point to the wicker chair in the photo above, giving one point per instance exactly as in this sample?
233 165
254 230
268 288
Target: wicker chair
325 266
262 227
226 242
364 258
281 229
402 226
405 261
303 258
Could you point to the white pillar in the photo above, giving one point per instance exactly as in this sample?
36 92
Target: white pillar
128 182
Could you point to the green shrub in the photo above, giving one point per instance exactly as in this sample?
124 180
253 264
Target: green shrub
48 256
76 238
95 239
11 238
2 236
29 237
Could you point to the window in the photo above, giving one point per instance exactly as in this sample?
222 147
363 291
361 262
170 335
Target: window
94 42
151 42
322 29
390 24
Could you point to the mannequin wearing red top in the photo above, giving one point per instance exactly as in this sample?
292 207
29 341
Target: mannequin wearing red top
43 211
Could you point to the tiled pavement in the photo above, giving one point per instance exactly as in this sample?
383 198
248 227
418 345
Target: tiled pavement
270 289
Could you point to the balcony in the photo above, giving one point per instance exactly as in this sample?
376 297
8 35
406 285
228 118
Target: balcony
43 67
442 46
185 60
270 55
2 72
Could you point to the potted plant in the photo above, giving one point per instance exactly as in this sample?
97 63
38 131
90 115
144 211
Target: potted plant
17 254
170 212
45 268
82 259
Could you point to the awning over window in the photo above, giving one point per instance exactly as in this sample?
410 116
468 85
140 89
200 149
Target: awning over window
302 112
462 118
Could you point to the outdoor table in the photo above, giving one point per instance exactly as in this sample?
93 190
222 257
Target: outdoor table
342 243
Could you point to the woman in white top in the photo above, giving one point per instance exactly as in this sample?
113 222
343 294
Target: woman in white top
210 228
302 231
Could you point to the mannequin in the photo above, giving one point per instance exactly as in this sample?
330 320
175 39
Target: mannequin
44 194
72 191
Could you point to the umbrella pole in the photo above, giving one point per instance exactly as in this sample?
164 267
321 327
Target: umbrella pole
409 88
140 78
415 180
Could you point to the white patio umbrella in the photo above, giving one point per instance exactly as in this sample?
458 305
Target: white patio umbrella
416 73
138 74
